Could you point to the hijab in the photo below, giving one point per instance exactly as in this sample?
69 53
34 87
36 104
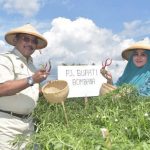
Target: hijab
138 76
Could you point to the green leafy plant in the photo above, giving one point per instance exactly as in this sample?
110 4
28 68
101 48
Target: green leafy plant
123 113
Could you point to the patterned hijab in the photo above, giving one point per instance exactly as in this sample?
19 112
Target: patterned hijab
140 77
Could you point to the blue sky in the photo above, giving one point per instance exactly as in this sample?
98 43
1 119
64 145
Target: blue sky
106 13
111 14
80 31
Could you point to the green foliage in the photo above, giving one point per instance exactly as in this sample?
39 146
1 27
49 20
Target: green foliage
122 112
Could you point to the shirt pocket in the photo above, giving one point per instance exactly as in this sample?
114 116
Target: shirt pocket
21 70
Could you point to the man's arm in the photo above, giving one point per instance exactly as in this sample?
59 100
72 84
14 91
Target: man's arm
12 87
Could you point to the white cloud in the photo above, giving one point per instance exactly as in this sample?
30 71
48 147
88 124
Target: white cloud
82 42
25 8
3 47
136 29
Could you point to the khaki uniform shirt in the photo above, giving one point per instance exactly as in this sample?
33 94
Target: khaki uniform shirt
14 66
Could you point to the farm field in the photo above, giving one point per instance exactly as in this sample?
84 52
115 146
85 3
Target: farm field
119 120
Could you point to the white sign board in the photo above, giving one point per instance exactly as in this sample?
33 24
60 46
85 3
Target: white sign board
83 81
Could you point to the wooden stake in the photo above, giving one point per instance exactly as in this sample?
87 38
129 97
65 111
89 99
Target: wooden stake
66 118
85 101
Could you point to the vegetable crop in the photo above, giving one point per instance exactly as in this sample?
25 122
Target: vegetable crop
119 120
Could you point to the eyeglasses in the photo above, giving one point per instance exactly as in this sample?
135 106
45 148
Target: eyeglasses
27 39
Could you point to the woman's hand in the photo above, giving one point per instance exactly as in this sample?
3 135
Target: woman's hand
106 75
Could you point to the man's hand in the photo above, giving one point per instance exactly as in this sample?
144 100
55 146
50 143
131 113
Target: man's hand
40 75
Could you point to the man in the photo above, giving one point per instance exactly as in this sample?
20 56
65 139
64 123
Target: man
19 84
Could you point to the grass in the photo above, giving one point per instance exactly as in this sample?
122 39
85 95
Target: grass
124 115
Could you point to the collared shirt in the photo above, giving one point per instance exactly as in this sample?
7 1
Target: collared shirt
14 66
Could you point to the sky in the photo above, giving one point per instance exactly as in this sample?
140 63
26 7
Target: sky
79 31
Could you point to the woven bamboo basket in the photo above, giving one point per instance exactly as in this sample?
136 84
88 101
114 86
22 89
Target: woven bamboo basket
106 88
55 91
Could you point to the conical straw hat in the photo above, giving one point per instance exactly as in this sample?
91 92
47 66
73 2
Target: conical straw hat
106 88
139 45
55 91
26 29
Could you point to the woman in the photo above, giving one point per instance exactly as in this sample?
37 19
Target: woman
137 70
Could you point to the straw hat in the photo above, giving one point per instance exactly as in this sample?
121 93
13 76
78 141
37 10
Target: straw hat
55 91
139 45
27 29
106 88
